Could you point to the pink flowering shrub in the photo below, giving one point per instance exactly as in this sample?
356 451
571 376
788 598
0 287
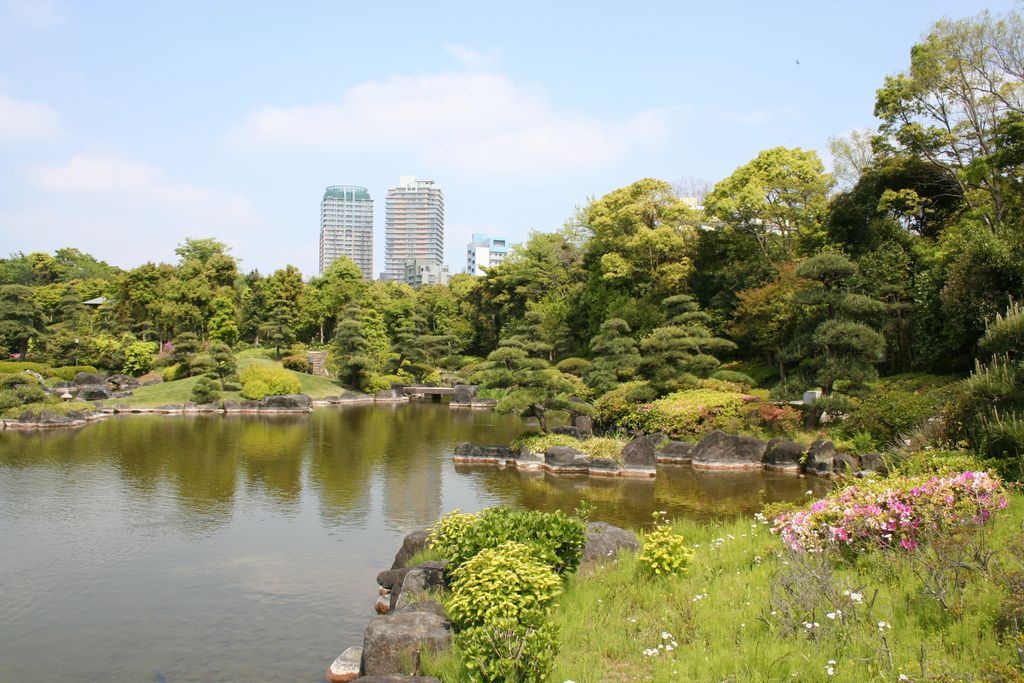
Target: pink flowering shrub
901 512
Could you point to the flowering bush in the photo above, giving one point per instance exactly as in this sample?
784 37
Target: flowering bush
893 513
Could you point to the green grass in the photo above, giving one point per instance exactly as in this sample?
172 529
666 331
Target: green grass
719 614
596 447
180 391
58 407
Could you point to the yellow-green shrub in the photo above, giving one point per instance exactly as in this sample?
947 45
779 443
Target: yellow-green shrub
505 650
665 552
277 381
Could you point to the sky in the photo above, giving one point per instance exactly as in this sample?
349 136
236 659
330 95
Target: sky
126 127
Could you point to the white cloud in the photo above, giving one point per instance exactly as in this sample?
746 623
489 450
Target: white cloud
472 121
110 206
139 180
471 58
32 13
22 121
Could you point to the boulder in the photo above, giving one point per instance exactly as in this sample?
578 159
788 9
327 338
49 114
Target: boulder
641 452
676 452
566 459
528 458
604 542
411 544
392 578
393 394
417 581
46 417
89 378
288 402
820 457
719 450
846 464
604 467
463 393
122 381
567 431
346 666
393 643
471 451
60 386
231 406
584 425
783 454
93 392
873 462
431 606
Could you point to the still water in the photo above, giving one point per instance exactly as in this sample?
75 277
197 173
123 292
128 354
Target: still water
211 548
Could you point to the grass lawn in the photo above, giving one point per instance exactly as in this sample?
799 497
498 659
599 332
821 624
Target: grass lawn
180 391
724 619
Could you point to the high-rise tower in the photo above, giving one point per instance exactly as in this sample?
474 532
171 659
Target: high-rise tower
413 225
346 227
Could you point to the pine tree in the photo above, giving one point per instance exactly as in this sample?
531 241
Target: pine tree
615 356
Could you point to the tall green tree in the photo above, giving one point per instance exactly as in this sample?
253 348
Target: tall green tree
615 356
779 198
20 318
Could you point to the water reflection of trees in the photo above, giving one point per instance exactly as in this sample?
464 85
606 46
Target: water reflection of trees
681 491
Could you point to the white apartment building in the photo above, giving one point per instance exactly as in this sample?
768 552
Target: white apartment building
413 225
346 227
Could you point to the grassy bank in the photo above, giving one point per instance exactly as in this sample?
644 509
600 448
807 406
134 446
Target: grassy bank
727 618
180 391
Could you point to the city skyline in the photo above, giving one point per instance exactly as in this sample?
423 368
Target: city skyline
189 126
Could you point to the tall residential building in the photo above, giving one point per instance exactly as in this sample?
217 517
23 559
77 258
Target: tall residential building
485 252
413 225
346 227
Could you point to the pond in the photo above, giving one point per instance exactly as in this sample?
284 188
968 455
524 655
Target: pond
213 548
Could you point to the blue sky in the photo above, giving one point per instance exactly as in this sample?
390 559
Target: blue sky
127 126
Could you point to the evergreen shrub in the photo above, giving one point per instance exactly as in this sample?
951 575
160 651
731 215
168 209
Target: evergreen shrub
269 382
297 363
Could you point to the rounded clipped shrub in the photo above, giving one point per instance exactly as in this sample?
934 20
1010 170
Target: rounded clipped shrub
734 377
277 381
30 393
67 373
557 539
616 405
508 581
297 363
174 372
206 390
574 366
255 389
8 398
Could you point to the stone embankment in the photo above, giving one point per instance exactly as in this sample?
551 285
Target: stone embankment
411 622
716 451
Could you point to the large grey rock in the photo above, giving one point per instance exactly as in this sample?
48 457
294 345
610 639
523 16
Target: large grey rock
346 666
89 378
288 402
567 430
604 542
846 464
719 450
677 452
463 393
121 381
417 581
93 393
529 458
783 454
473 451
873 462
641 452
566 459
393 643
46 417
604 467
411 544
431 606
231 406
584 425
393 394
392 578
820 457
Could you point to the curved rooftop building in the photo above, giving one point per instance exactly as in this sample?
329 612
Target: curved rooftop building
346 227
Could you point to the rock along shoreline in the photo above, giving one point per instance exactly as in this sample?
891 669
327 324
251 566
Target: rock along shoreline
716 451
